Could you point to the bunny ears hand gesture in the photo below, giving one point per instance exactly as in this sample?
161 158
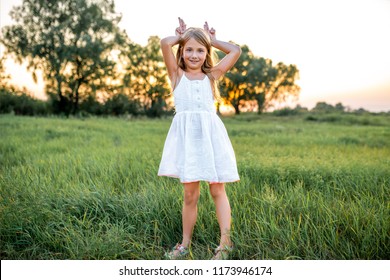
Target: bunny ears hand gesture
183 27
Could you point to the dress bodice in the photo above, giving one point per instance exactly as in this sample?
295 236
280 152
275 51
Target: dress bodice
194 95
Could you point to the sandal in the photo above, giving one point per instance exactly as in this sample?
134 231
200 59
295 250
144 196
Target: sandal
222 253
178 252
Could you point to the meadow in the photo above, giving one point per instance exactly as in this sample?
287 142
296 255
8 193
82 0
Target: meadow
312 187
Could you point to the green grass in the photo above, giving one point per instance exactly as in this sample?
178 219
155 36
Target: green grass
311 188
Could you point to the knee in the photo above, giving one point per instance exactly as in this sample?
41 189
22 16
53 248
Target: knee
191 197
217 190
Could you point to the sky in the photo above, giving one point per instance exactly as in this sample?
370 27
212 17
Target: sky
341 47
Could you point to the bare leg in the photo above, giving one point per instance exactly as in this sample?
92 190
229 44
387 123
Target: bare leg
223 210
190 210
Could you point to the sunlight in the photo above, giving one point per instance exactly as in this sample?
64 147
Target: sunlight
22 78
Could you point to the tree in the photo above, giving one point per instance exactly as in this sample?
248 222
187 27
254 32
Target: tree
71 41
145 78
234 85
323 107
339 107
278 85
256 78
260 77
4 78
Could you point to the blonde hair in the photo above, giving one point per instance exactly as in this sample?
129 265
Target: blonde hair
203 38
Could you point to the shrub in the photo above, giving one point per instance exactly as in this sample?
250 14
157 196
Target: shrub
21 104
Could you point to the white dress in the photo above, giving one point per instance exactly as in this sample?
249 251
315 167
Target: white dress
197 147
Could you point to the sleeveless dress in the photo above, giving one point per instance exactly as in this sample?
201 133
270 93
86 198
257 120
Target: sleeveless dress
197 147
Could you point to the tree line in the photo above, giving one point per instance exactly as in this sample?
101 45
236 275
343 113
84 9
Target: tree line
90 65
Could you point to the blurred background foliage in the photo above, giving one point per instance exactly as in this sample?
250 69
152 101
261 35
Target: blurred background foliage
91 66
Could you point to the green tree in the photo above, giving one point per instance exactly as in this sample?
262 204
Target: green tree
235 88
278 84
70 41
256 78
146 78
4 77
323 107
260 76
339 107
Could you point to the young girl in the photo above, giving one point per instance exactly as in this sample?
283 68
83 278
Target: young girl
197 147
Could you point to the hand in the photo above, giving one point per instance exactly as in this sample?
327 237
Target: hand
181 29
209 31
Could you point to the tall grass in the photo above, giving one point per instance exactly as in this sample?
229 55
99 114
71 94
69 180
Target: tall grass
88 189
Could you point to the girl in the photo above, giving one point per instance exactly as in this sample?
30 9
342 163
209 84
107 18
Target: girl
197 147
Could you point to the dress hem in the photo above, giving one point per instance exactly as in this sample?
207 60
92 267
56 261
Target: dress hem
174 176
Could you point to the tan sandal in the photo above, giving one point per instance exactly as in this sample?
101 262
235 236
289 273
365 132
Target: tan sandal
222 253
178 252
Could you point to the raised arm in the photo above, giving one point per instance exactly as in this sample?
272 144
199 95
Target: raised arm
166 48
232 52
169 58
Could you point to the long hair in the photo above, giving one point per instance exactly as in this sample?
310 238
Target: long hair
202 38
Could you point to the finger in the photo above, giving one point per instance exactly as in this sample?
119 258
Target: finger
182 24
206 26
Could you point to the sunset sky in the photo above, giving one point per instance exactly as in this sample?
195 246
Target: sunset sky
341 47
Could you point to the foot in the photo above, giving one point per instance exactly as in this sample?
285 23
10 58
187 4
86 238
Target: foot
178 252
222 252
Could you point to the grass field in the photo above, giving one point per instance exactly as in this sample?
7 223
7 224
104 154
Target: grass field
312 187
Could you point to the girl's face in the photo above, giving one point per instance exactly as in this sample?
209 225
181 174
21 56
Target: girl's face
194 54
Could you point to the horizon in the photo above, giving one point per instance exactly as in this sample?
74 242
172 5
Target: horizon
339 47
